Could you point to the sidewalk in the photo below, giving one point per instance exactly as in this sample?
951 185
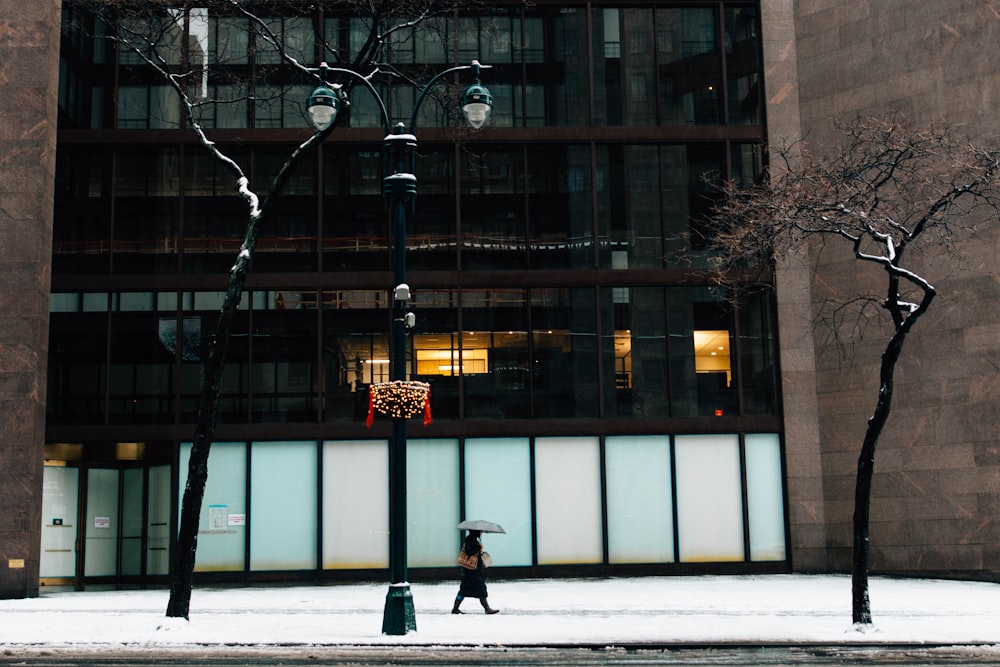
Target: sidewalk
656 611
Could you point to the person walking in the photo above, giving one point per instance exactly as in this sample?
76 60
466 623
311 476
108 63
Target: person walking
473 584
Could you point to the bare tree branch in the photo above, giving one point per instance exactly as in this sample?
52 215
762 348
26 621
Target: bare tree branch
887 189
158 33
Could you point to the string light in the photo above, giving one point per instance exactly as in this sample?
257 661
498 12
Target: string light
399 398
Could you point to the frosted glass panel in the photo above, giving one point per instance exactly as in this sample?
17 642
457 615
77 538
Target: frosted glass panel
158 531
59 508
498 488
132 493
432 502
568 500
766 508
640 514
355 504
709 498
101 524
283 505
222 525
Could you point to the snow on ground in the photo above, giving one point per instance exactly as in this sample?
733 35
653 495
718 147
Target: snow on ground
753 610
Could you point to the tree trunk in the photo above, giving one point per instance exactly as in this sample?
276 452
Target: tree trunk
182 567
861 611
182 570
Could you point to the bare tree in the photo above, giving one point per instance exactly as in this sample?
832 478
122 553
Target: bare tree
897 196
159 36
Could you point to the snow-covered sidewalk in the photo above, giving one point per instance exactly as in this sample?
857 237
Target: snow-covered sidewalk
659 611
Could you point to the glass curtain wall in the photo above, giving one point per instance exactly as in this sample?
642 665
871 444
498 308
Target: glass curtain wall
171 209
573 349
484 208
666 65
580 500
524 353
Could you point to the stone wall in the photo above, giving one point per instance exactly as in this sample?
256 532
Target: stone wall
29 75
804 471
937 468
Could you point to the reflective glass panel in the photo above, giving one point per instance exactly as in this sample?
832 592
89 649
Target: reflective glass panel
496 327
132 503
640 501
283 369
355 349
560 207
431 236
215 216
81 228
226 106
228 40
222 526
148 107
629 207
564 353
197 326
569 82
432 502
743 66
701 338
354 222
493 209
60 500
705 166
141 378
147 210
432 40
283 506
689 66
759 354
435 356
634 352
158 519
709 498
288 241
624 57
765 499
498 489
355 504
568 500
77 362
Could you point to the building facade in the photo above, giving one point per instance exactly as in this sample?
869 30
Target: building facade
937 468
590 389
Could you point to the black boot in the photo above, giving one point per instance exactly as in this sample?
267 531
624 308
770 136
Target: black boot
454 609
487 608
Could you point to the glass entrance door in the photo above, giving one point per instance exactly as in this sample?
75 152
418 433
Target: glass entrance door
102 523
124 522
60 505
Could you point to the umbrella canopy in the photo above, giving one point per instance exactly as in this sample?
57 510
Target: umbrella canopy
481 525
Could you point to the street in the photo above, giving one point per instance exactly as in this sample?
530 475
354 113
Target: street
776 656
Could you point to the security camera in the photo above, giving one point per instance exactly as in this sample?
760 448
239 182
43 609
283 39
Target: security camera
402 292
410 320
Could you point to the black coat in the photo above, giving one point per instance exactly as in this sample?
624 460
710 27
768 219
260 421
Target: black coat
473 583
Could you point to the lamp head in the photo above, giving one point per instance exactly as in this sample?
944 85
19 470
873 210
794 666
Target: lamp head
323 105
477 103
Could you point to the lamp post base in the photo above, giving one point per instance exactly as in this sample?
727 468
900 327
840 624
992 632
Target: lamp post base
398 617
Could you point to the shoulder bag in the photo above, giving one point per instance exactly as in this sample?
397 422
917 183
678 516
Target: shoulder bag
467 561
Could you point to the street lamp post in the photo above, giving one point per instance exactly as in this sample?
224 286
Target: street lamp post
399 188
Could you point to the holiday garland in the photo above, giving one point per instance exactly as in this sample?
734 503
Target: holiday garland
399 398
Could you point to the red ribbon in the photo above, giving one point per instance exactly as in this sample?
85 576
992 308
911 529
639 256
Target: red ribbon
371 409
427 407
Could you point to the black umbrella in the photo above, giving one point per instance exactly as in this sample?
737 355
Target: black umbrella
481 525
